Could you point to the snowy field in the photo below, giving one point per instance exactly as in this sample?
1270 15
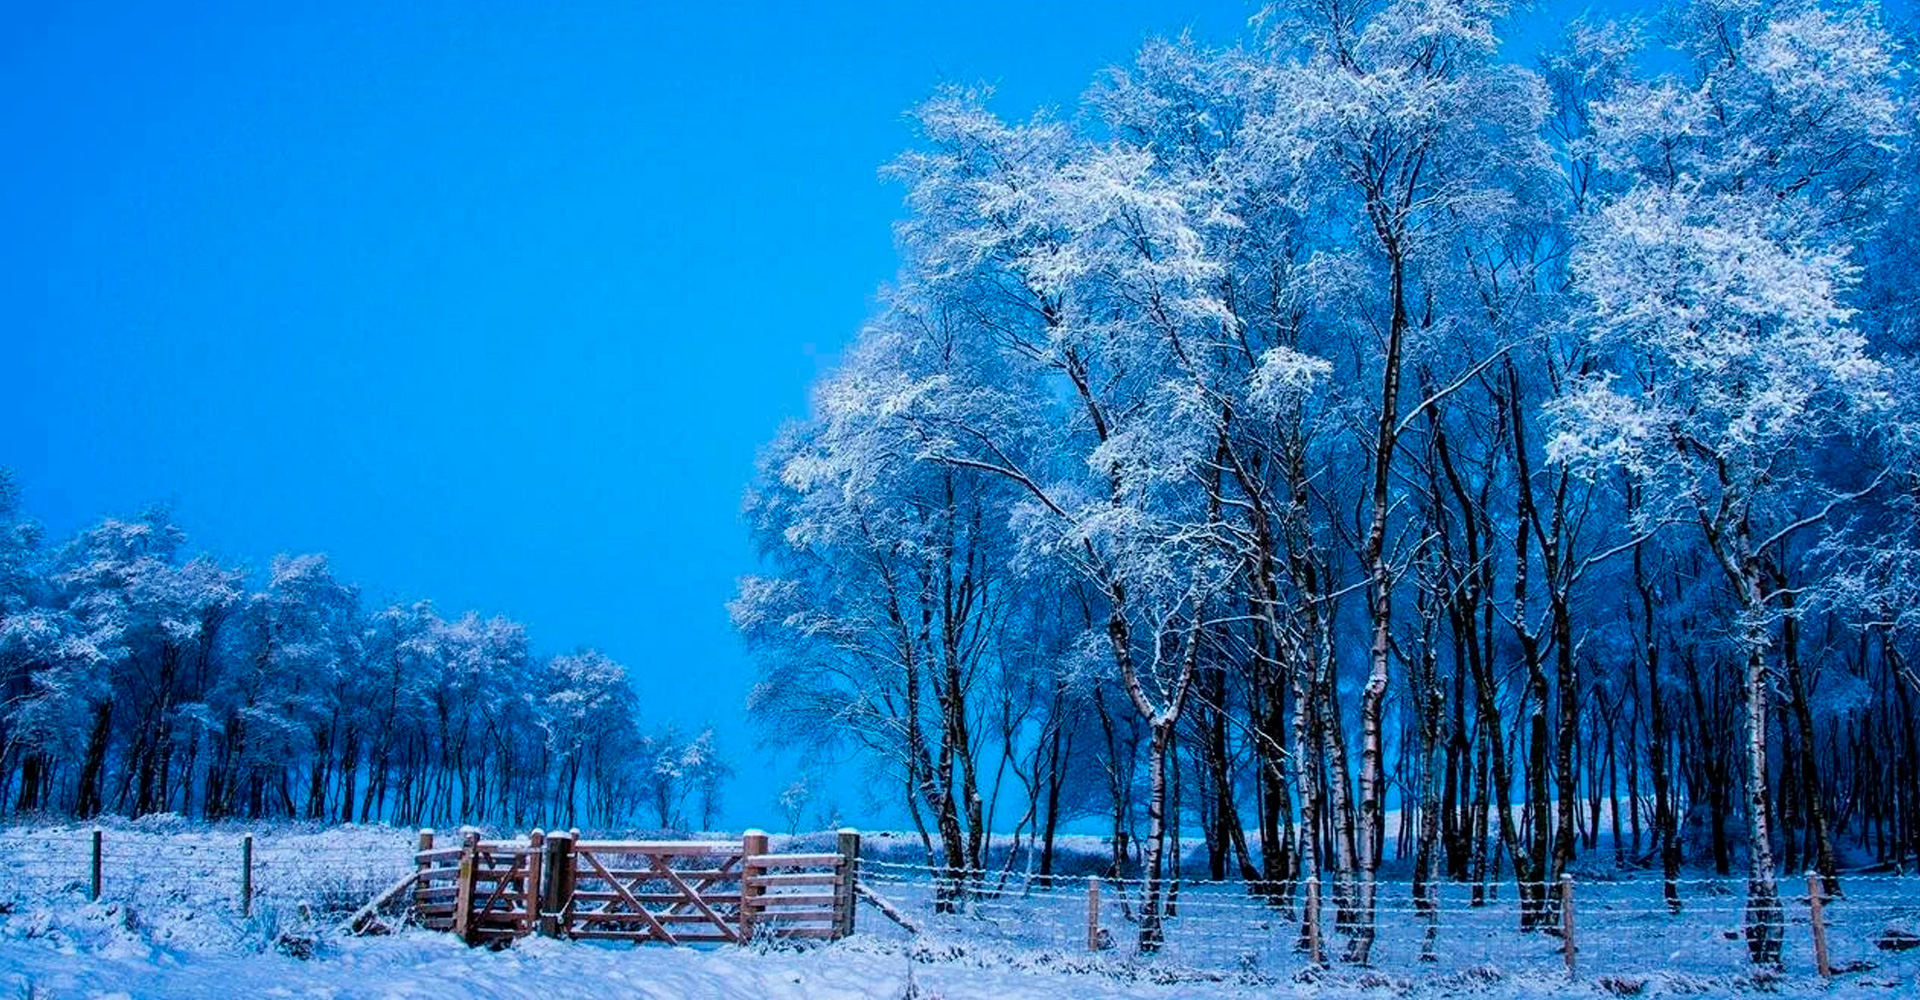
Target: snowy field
421 965
168 925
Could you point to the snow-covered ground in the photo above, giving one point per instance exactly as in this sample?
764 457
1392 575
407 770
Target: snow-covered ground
419 965
422 965
169 925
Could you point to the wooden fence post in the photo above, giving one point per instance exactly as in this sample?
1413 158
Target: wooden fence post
569 876
533 890
1817 917
1093 913
753 843
423 844
93 891
555 894
246 875
463 896
843 889
1566 918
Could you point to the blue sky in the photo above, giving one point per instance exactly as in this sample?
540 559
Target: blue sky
493 303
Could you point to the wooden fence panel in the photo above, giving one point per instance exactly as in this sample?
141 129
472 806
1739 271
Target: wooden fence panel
787 900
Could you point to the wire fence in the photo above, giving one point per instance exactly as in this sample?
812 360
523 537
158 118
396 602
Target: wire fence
1620 926
214 872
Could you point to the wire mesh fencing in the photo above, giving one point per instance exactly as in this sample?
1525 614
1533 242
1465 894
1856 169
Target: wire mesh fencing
206 871
1618 926
1615 926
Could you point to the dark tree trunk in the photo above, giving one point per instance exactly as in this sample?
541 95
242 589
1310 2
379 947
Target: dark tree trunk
87 802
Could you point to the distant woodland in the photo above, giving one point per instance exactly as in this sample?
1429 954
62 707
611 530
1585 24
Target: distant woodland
140 681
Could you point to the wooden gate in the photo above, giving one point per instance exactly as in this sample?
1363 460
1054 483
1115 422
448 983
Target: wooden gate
671 892
482 890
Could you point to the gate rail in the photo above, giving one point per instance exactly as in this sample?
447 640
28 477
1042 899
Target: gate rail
668 891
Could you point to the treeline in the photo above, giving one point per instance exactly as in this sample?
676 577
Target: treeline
1353 445
140 681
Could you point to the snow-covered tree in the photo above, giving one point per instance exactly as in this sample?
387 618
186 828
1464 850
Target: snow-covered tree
1363 338
1719 290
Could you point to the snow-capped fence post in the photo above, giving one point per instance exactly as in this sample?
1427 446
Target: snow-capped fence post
463 894
246 875
569 875
422 845
1093 913
533 890
843 896
1566 919
93 889
752 844
556 895
1817 919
